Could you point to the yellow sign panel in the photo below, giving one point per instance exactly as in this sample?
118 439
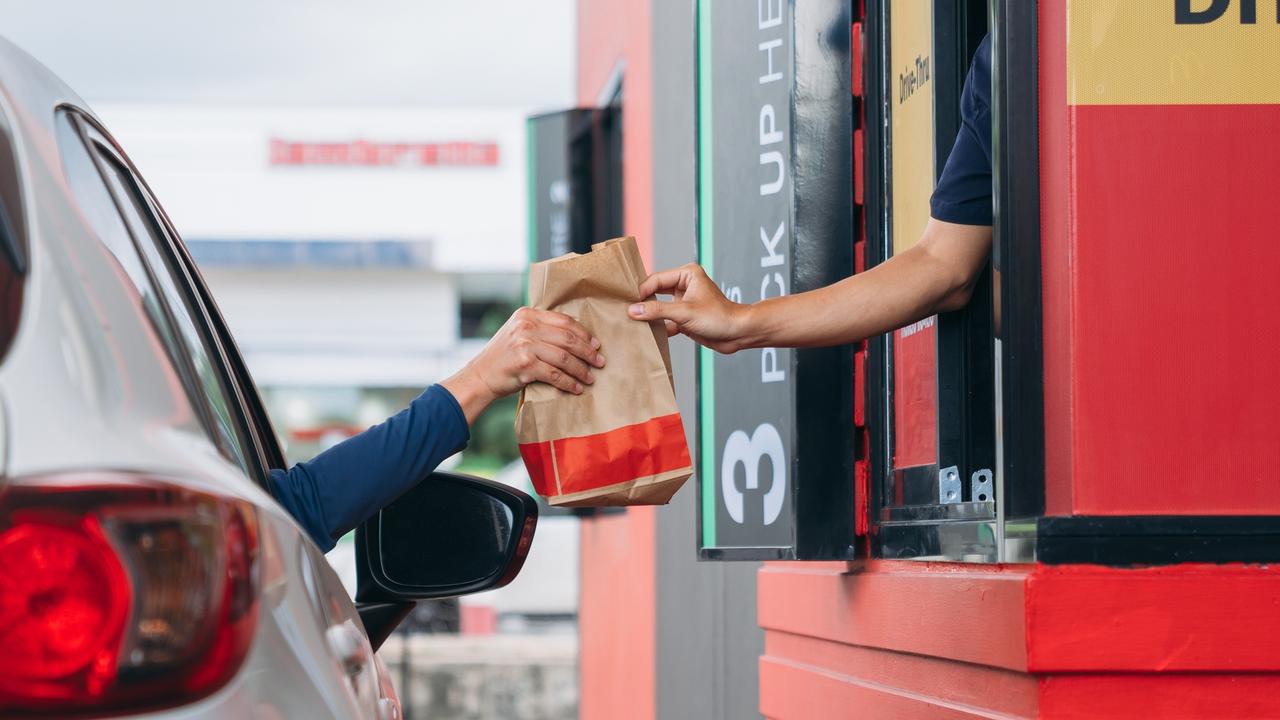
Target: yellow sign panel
911 112
1173 52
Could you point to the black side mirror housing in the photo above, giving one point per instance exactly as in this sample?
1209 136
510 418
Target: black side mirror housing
450 535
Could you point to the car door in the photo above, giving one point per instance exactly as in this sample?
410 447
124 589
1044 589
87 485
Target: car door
239 420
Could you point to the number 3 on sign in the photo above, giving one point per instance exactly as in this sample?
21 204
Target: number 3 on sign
747 451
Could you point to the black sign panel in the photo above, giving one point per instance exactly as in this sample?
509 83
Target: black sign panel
775 194
575 180
549 194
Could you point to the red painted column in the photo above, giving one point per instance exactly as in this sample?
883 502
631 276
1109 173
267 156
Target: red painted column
618 591
1055 259
616 617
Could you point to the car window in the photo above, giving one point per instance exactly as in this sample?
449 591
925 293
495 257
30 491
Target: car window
150 242
257 422
99 209
257 418
167 310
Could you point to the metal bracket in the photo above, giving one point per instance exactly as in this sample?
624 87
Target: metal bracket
982 486
949 485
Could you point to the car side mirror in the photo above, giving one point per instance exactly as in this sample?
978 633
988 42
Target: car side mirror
450 535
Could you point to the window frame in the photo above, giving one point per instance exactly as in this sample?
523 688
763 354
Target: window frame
970 391
1016 250
966 356
963 367
252 406
190 340
181 365
258 457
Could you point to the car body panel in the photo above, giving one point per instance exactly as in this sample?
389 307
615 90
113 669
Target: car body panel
86 386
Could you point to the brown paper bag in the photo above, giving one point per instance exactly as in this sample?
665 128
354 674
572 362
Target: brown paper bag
621 442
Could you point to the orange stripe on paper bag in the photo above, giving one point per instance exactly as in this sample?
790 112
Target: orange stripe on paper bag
577 464
541 466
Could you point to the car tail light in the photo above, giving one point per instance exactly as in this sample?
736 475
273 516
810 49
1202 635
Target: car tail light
121 592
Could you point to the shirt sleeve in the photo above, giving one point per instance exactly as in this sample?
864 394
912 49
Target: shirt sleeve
964 192
343 486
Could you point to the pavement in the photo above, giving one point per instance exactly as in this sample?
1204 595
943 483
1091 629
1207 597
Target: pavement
481 677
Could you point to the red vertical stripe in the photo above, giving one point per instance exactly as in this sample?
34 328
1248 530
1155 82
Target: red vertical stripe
1055 257
855 47
859 168
616 617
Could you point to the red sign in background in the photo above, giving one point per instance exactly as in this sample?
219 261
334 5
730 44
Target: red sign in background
365 153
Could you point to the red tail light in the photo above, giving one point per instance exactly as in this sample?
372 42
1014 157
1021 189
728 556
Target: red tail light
121 593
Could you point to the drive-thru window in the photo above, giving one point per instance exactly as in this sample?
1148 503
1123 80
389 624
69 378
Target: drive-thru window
898 439
809 163
1056 502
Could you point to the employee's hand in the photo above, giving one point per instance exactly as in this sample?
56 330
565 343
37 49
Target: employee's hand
533 346
698 309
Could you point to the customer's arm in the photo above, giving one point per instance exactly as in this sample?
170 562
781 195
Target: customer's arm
937 274
337 489
342 486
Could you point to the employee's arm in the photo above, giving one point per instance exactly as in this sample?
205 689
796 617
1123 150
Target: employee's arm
935 275
344 485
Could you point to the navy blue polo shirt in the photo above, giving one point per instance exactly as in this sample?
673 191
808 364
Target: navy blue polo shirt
963 194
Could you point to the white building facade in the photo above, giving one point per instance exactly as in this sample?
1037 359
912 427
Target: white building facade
353 251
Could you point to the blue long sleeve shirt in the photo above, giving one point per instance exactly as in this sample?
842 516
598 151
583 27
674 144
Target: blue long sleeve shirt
343 486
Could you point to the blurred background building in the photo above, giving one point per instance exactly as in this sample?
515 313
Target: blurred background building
358 253
351 180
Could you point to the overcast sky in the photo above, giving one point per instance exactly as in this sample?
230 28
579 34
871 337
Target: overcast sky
422 52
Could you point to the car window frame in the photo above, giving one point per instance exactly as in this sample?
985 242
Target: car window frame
248 399
97 140
252 399
192 340
180 363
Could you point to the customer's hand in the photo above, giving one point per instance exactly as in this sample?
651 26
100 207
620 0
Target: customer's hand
532 346
698 309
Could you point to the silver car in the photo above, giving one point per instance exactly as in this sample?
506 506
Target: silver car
144 564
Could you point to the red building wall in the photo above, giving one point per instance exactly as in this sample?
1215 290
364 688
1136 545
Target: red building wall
906 639
1160 253
616 615
1160 330
1160 325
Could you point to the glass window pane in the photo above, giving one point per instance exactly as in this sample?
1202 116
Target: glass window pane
915 368
137 214
101 212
